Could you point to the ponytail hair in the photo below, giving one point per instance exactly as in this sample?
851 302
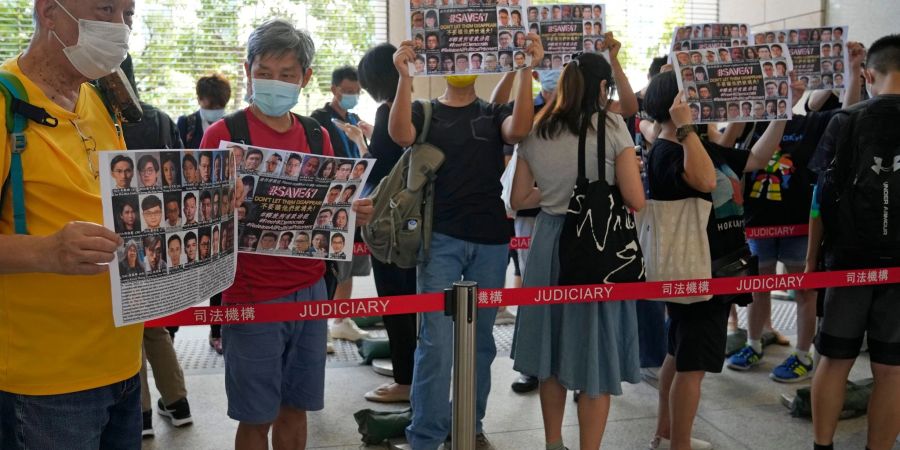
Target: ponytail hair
577 97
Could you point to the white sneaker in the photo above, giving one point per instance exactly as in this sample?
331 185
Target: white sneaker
505 317
661 443
348 330
329 344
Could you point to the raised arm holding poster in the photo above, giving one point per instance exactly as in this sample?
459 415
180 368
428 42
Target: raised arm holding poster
737 84
297 204
566 29
819 54
461 37
176 219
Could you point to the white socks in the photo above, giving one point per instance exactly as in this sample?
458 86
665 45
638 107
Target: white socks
756 344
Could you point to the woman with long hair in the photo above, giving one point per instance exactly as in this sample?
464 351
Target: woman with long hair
589 347
750 54
127 216
170 172
328 169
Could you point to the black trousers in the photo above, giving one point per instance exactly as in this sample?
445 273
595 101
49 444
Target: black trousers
215 330
401 328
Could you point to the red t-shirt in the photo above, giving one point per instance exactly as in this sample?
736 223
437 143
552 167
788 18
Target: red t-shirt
263 277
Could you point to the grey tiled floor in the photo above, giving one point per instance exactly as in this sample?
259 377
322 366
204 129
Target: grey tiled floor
738 410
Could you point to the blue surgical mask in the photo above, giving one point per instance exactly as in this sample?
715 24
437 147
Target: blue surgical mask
275 98
211 115
549 80
349 101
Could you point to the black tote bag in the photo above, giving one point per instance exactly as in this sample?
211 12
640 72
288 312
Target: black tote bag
599 241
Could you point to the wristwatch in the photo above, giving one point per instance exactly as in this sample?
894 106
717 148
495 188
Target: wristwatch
683 131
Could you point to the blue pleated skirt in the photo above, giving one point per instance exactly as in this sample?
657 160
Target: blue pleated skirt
591 347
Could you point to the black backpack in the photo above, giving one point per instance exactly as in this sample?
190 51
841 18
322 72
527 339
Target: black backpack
239 130
154 131
861 213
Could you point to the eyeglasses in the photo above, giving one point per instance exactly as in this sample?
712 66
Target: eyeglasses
90 147
147 171
152 213
123 172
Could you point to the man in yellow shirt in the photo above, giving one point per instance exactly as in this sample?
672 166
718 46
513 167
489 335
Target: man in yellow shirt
68 376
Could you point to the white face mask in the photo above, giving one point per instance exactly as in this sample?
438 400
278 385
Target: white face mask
101 47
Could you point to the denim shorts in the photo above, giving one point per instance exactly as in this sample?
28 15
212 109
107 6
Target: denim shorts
270 365
789 250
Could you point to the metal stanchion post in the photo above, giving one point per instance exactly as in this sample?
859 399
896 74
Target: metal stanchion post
461 303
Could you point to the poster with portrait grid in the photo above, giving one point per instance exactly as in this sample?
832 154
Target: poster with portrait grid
174 211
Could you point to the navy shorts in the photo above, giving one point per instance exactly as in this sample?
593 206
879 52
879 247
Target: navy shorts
270 365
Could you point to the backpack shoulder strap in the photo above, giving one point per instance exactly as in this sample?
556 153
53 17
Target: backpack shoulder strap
165 130
314 137
844 156
14 92
190 128
427 108
238 128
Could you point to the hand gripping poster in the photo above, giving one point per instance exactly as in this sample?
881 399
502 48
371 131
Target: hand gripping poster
297 205
567 29
466 37
820 55
737 84
174 211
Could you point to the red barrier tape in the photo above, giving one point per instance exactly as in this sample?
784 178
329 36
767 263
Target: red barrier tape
492 298
361 249
779 231
520 243
524 243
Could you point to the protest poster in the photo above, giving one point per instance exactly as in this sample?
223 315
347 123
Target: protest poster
567 29
297 205
819 54
737 84
464 37
173 210
707 35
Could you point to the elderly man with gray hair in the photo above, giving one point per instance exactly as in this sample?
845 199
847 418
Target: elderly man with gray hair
275 372
68 376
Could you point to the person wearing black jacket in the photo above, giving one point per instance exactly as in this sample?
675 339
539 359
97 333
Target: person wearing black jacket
342 125
156 130
348 136
213 94
379 77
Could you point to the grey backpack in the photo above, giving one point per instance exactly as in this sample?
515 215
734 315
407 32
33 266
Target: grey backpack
404 201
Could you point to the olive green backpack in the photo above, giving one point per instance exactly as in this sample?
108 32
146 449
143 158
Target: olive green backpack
399 232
